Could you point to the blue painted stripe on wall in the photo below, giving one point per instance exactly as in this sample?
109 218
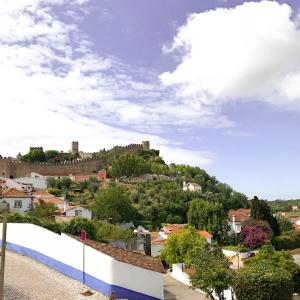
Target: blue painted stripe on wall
76 274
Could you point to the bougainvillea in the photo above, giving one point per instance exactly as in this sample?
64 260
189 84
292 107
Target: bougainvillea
254 235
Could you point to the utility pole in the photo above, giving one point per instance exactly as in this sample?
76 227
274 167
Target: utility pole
4 207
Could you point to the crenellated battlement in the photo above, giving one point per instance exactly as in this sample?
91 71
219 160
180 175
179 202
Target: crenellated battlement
15 168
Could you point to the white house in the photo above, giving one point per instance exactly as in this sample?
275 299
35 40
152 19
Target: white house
192 187
18 201
79 211
237 218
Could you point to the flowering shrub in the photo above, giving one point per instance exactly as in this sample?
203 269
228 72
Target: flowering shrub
254 235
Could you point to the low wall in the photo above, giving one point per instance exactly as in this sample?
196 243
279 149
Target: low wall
230 253
178 274
101 272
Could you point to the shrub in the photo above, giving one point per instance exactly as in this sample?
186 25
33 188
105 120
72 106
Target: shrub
287 241
263 281
239 248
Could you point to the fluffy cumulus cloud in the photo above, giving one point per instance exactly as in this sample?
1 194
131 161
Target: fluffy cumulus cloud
243 53
55 89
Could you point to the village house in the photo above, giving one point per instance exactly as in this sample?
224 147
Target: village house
101 175
78 211
158 238
192 187
19 201
237 218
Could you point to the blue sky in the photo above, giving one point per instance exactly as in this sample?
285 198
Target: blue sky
210 83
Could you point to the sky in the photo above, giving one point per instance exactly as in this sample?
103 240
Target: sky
211 83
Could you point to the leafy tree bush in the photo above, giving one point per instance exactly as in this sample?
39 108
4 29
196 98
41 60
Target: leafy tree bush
211 271
287 241
43 210
255 234
112 203
260 210
54 191
179 245
281 259
34 155
284 224
263 281
77 224
129 165
209 216
50 154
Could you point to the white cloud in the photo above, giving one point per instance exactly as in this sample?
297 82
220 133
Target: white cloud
243 53
54 89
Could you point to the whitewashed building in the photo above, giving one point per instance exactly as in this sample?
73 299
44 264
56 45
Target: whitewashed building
191 186
238 218
79 211
18 201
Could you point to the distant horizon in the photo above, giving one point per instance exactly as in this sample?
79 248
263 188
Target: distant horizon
214 84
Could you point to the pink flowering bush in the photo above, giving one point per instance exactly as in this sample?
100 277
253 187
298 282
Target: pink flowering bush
255 235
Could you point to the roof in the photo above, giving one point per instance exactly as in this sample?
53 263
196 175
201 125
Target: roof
42 193
173 228
156 238
53 200
126 256
14 193
204 234
241 215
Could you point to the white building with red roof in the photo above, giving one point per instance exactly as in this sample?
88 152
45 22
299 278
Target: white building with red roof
238 218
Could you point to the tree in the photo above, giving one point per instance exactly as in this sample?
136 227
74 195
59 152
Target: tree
209 216
34 155
129 165
179 245
260 210
65 183
255 234
112 203
50 154
263 281
281 259
211 271
43 210
284 224
51 182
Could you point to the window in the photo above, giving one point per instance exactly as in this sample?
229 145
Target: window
18 204
78 213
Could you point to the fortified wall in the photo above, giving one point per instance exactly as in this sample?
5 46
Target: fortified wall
10 168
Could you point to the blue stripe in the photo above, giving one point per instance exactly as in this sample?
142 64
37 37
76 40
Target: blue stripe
76 274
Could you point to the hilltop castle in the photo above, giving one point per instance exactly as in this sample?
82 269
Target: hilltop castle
85 164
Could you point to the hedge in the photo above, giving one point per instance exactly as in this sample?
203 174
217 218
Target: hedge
288 241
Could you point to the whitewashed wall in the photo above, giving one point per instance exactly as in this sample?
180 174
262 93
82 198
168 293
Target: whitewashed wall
183 277
102 272
85 213
26 204
230 253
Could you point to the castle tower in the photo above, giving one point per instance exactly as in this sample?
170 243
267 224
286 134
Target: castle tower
75 147
146 145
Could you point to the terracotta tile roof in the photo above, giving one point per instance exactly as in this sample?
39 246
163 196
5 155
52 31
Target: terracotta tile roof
13 193
173 228
156 238
204 234
241 215
54 200
126 256
42 193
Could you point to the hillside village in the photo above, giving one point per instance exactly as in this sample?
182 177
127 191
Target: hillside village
157 217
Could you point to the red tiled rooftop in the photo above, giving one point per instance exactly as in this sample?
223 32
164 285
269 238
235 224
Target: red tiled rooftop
241 215
204 234
126 256
13 193
53 200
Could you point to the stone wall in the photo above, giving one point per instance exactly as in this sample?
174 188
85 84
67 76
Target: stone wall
16 168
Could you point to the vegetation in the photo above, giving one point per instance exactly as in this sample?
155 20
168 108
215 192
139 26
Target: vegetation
255 234
288 240
211 272
260 210
179 245
43 210
38 155
263 281
209 216
112 204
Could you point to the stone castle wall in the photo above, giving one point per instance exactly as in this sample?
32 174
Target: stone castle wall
15 168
